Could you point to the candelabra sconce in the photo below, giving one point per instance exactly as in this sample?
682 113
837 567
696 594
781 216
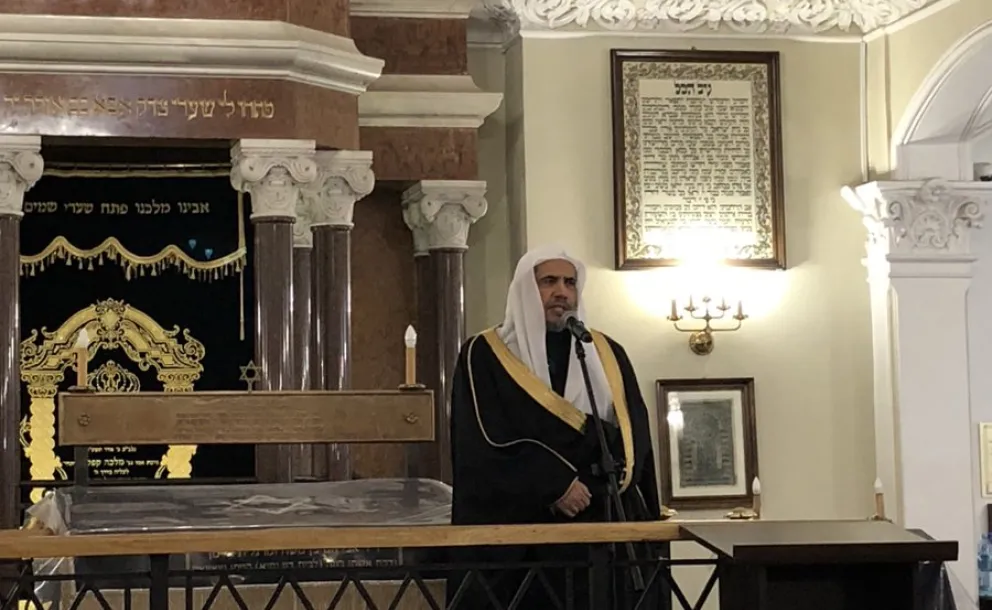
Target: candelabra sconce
701 339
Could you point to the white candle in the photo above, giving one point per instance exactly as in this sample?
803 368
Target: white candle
756 493
410 339
879 499
82 358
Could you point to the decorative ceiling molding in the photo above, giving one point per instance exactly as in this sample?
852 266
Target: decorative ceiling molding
786 17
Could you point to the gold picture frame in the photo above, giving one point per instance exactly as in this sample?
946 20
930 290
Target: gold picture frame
697 158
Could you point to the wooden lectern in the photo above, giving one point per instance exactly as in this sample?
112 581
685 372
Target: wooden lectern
819 565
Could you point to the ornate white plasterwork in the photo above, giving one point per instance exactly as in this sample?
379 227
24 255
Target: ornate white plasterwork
272 171
930 219
302 231
20 167
343 177
440 212
745 16
426 100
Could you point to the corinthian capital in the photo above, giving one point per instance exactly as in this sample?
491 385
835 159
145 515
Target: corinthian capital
914 218
20 167
272 171
343 177
440 212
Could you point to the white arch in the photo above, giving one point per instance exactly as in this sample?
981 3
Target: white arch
950 110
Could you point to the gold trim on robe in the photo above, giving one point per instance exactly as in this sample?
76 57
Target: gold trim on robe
532 384
561 408
482 426
615 378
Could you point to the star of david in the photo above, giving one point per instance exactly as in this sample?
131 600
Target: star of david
249 374
272 506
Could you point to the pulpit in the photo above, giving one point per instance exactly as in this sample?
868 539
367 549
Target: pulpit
820 565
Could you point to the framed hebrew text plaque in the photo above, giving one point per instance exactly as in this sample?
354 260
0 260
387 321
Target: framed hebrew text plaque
697 158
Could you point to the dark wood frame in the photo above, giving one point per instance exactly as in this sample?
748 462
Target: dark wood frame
776 177
744 385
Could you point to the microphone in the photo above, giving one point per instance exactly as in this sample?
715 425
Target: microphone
575 326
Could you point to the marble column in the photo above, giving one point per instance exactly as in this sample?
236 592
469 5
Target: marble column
440 212
20 167
271 172
303 349
344 177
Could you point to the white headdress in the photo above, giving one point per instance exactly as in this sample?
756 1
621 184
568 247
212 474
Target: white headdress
524 329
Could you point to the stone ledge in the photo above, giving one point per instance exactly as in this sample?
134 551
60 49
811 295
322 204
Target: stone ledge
422 100
43 44
430 9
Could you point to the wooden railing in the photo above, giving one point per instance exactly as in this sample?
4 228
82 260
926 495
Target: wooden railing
22 544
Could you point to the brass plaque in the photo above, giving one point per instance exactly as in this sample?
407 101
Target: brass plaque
206 418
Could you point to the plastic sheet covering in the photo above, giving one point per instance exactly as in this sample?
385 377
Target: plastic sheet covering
170 508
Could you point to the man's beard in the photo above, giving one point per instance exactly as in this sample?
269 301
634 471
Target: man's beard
559 324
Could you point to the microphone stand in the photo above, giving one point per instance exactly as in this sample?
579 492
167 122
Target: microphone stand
608 466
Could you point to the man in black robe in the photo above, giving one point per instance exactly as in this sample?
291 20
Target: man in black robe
525 448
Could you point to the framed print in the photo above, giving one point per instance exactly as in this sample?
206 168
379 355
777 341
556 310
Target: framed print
697 158
708 442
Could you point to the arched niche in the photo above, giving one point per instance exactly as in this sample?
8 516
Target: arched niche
947 128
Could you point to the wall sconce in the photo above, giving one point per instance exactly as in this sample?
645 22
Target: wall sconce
701 339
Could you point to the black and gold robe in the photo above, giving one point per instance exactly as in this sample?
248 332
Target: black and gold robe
517 446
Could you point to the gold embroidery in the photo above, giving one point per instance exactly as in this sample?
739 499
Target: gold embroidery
615 378
530 383
111 250
482 427
113 324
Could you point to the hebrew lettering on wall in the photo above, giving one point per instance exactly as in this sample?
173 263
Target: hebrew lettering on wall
192 109
699 140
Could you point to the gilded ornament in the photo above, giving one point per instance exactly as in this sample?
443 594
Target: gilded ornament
111 324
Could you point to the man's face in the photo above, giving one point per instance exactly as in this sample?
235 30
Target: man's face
556 281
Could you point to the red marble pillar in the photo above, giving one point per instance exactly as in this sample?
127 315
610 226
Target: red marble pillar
271 171
303 458
440 212
344 177
20 167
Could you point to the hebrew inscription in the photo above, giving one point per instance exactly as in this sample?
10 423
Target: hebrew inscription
697 160
144 208
122 107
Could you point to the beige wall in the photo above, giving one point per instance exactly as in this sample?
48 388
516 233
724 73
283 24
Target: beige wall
808 343
901 61
489 257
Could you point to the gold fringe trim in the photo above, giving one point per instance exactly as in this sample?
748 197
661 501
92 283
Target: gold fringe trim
61 250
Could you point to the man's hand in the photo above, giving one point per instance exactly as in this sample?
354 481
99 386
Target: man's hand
575 500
